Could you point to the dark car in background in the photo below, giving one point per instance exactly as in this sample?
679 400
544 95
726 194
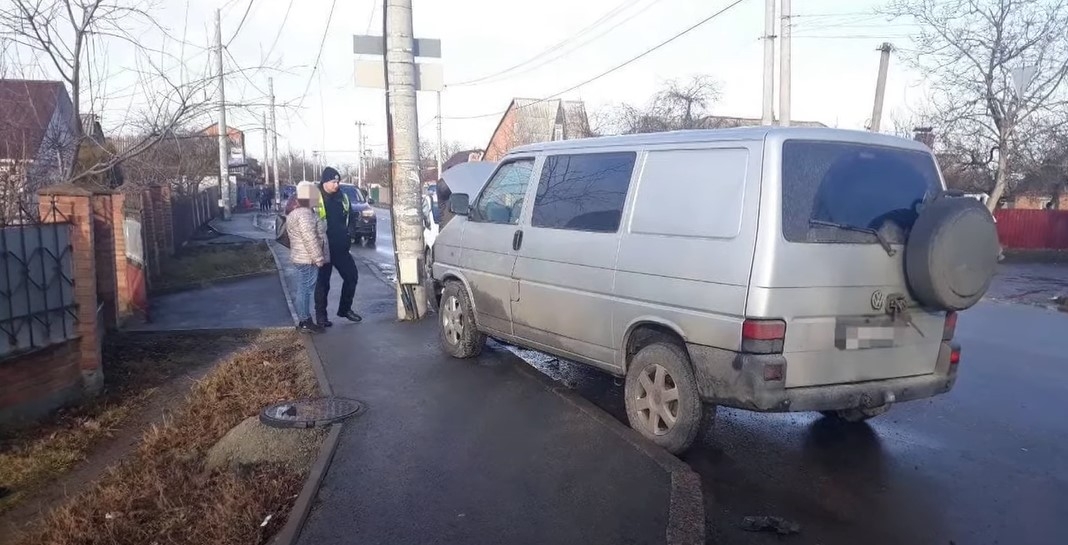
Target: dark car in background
363 223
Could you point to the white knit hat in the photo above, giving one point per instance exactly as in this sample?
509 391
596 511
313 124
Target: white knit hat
307 190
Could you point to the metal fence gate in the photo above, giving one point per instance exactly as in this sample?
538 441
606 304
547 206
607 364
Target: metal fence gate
37 306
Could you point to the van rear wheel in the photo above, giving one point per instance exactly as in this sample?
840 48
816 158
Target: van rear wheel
456 320
662 400
858 414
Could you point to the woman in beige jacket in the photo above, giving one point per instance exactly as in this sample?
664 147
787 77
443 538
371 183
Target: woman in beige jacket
306 244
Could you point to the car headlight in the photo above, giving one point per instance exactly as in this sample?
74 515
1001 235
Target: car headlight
368 213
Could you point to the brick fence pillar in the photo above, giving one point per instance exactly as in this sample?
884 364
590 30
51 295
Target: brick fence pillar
167 218
66 203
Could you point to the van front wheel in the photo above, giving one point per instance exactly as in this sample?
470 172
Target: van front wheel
662 400
456 320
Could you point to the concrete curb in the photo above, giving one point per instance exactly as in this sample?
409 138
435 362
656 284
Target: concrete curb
290 532
686 515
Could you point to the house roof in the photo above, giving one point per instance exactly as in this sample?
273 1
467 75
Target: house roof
730 122
26 108
535 120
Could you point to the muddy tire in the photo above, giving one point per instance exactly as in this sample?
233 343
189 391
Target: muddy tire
952 253
662 400
857 414
456 322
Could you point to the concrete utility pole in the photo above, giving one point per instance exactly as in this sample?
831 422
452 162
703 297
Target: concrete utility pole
880 86
440 143
274 148
289 164
784 64
359 147
266 157
224 137
404 151
768 116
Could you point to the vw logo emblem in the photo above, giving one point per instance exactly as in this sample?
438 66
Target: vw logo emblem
877 300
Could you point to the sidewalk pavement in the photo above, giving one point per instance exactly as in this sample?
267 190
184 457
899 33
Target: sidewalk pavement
481 451
250 303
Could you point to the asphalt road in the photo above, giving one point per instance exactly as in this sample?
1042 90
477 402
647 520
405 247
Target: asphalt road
983 464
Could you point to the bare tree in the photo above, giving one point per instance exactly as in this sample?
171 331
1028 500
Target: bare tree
997 70
61 31
680 104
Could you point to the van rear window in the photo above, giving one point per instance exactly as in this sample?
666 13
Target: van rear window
852 185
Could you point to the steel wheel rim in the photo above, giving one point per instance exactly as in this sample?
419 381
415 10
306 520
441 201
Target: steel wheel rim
452 320
657 400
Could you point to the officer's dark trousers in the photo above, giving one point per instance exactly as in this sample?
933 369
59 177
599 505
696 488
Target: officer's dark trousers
346 267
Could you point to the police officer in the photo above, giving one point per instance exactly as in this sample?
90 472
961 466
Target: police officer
333 210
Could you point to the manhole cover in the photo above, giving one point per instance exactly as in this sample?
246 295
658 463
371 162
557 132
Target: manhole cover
310 413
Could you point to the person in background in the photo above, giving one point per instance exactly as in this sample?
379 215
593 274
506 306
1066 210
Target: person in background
333 209
307 251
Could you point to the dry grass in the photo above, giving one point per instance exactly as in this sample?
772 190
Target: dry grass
135 365
195 265
163 494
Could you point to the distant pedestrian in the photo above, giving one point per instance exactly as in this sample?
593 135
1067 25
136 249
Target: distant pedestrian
334 208
307 251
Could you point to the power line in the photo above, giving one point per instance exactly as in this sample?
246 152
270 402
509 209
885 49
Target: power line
277 35
552 48
319 55
620 65
248 8
567 51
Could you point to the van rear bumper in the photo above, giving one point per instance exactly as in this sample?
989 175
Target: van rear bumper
737 380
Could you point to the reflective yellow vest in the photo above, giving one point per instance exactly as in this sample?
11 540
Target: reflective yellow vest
320 209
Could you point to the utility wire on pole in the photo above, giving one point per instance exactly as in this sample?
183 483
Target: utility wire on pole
224 137
403 130
768 116
880 86
274 148
784 64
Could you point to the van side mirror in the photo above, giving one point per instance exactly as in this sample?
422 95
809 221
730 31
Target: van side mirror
370 201
460 204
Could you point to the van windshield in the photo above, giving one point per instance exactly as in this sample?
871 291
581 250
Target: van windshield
864 187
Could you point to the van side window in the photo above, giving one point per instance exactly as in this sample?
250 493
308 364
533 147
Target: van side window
583 192
502 199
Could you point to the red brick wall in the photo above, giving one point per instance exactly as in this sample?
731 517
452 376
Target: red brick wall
36 384
503 138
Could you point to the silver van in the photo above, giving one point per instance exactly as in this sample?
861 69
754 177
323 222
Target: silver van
770 269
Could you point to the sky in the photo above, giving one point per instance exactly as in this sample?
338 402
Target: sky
834 61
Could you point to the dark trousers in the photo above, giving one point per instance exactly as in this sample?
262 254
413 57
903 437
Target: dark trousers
346 267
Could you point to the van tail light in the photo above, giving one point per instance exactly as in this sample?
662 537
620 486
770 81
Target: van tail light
954 356
763 336
950 328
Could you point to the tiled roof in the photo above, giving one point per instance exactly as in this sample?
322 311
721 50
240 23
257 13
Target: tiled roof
26 109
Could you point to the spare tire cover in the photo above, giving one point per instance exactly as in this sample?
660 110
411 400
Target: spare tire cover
951 254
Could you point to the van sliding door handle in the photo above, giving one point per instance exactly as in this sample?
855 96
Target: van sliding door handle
517 240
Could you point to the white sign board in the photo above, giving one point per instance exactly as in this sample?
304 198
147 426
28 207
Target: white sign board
371 74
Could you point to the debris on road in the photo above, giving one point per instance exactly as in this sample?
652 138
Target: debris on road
766 523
